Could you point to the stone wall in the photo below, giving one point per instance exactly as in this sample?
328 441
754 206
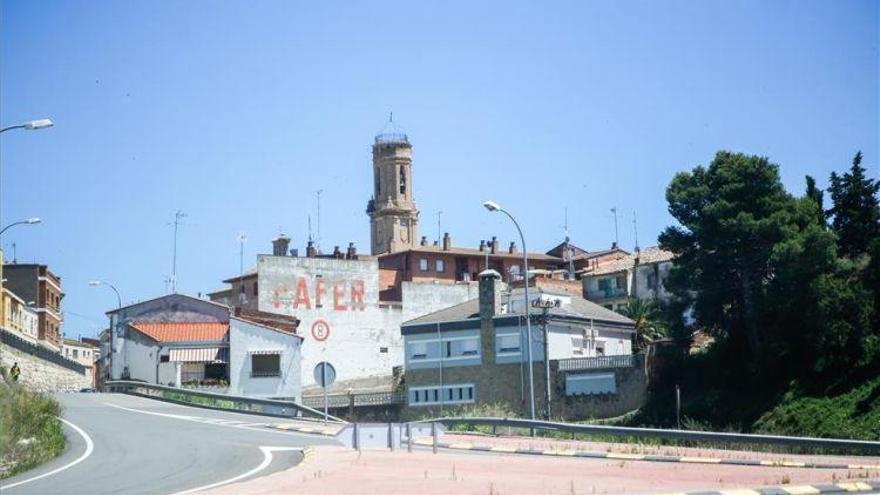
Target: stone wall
41 375
631 393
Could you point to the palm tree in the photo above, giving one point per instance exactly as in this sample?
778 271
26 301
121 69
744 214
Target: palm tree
648 318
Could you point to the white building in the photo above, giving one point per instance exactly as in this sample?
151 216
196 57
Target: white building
641 275
23 318
178 340
81 352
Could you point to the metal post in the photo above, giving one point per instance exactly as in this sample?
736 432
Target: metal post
324 386
546 362
442 351
357 437
434 436
409 439
391 436
678 405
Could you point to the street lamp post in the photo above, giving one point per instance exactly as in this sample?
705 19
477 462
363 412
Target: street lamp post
29 221
493 206
33 125
96 283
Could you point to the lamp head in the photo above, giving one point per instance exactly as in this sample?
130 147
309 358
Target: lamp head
36 125
94 283
491 205
32 221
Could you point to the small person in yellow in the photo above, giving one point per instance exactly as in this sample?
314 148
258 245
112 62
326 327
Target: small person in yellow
15 371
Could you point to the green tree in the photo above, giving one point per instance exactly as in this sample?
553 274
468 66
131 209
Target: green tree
648 318
817 195
855 210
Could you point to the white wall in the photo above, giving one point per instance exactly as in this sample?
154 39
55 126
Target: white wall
245 337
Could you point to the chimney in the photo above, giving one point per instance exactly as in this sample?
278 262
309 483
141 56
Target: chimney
311 252
494 244
294 252
490 306
351 252
280 245
447 241
512 248
336 252
424 241
482 246
436 243
614 245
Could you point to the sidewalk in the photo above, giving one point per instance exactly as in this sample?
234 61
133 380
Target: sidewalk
341 470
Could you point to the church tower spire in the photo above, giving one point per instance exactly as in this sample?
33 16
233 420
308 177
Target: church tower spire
393 214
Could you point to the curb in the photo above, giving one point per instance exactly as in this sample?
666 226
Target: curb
308 454
646 457
858 486
327 432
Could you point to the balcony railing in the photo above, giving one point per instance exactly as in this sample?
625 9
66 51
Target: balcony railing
606 293
356 399
598 362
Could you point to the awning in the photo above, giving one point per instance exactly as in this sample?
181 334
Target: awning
266 351
200 355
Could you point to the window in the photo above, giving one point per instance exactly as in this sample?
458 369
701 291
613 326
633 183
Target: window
508 344
418 350
402 180
265 365
620 282
383 350
164 359
75 353
470 347
652 281
600 348
255 289
449 394
578 344
423 265
440 266
378 181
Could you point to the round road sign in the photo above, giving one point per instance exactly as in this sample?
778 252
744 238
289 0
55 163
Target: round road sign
320 330
325 374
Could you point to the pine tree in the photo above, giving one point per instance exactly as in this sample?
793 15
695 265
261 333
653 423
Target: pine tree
855 209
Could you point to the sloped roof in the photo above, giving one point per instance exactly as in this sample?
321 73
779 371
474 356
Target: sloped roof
500 253
559 250
577 308
182 332
646 256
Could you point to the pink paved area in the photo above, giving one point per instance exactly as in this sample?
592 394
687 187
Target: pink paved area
333 470
553 444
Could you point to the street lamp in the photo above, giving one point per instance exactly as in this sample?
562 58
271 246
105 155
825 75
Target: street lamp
493 206
33 125
96 283
29 221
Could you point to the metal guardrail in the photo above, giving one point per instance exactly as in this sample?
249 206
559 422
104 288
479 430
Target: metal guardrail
598 362
356 399
210 400
680 435
39 351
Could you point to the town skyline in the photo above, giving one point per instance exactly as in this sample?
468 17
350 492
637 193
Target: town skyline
149 137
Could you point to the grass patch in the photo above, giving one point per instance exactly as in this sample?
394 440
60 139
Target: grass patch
854 414
30 431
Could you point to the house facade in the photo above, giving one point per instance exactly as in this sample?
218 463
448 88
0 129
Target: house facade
475 353
20 317
178 340
40 289
641 275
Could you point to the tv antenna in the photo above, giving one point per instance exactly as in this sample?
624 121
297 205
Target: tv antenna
178 216
616 239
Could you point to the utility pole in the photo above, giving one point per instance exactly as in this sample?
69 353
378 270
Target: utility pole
616 239
545 306
177 217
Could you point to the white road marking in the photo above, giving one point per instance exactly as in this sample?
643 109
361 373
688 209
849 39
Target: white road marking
267 459
90 446
210 421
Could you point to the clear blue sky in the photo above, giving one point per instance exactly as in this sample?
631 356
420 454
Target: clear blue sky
236 112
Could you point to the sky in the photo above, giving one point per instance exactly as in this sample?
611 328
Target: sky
238 112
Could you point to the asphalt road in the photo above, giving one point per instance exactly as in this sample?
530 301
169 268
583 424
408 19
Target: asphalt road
120 444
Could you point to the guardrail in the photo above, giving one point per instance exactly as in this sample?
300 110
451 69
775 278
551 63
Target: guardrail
678 435
224 402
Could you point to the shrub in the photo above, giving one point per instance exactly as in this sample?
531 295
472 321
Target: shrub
30 431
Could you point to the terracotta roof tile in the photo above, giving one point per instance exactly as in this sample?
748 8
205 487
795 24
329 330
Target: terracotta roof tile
182 332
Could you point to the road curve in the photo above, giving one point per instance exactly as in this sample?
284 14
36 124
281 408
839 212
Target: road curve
144 446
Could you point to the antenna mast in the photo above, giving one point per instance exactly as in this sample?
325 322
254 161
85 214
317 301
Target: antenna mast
439 230
636 231
616 239
177 217
318 237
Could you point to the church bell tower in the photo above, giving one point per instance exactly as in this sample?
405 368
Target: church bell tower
393 215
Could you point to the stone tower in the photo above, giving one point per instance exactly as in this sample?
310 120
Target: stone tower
394 217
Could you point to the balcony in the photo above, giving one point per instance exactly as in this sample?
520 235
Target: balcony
598 362
606 293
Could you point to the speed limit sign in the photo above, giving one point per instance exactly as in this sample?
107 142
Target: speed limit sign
320 330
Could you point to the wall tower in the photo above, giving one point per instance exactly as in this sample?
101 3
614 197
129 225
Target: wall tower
393 214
